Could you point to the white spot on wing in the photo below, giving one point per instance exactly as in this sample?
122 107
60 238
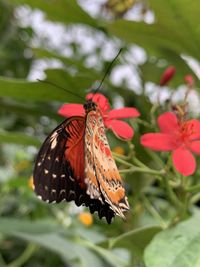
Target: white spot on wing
62 191
53 144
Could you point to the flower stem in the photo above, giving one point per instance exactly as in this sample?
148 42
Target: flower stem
120 156
125 163
172 196
139 163
134 168
154 212
195 198
155 158
24 257
193 189
145 123
144 170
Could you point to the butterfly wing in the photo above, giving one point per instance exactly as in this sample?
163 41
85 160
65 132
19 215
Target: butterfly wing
101 174
53 176
59 169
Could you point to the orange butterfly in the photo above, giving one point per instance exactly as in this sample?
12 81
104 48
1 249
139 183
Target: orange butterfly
75 161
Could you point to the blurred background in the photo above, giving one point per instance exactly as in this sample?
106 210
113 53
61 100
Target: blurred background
71 43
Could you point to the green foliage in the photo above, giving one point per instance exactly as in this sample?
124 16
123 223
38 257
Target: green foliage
14 44
33 233
178 246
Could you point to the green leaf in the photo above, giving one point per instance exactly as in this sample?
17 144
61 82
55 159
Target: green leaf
175 29
178 246
135 238
11 225
18 138
112 259
68 246
38 91
65 11
139 237
48 235
20 108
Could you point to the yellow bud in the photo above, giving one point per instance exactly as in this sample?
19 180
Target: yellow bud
85 218
30 183
119 150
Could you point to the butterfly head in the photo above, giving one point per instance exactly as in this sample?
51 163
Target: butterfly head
89 106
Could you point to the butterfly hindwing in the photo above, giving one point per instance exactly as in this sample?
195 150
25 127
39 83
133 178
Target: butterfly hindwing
101 174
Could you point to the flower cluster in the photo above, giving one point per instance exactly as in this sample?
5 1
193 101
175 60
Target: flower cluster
177 135
182 137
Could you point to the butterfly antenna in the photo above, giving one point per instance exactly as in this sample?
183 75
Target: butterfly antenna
60 87
108 70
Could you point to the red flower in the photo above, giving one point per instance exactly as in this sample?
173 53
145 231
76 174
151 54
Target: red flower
112 118
180 137
167 75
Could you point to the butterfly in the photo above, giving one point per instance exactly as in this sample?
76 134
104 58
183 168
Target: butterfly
75 163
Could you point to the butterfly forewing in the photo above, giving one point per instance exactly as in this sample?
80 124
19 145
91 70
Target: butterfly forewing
54 178
101 174
59 168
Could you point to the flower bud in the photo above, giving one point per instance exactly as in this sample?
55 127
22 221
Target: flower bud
167 75
189 80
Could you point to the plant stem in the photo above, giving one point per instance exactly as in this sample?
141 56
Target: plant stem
139 163
144 170
125 163
154 212
24 257
172 196
146 124
195 198
193 188
120 156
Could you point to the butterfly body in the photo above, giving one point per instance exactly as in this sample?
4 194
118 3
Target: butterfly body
75 163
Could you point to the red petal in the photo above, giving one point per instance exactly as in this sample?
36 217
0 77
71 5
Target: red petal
158 141
122 113
195 147
120 128
69 110
100 100
168 123
184 161
167 75
195 129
